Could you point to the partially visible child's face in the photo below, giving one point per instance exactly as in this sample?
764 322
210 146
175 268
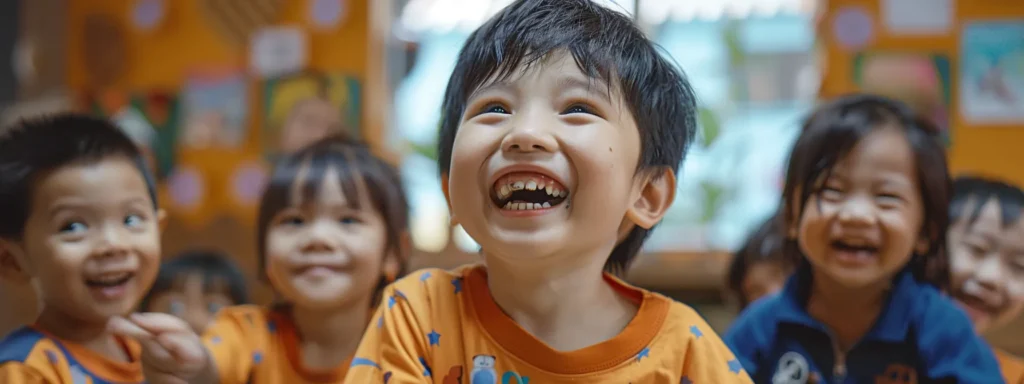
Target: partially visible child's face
763 279
868 220
193 301
92 240
325 253
987 265
544 163
310 120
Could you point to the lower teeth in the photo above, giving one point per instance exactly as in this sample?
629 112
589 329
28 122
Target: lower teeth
521 206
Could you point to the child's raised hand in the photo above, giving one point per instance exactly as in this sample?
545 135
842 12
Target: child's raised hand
171 351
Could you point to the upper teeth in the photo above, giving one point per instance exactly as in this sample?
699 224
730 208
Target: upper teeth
531 185
110 278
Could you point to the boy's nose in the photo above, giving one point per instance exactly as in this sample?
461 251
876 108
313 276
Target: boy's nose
529 135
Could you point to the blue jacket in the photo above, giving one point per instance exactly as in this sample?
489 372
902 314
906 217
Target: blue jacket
920 337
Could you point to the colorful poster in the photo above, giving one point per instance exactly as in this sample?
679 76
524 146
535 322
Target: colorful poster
303 108
992 73
920 80
149 118
215 109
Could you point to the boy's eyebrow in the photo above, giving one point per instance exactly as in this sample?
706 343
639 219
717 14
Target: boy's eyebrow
590 85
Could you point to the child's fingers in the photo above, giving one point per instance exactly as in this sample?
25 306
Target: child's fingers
157 323
186 350
124 327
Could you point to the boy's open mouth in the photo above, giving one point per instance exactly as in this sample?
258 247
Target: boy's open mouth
109 285
854 250
521 191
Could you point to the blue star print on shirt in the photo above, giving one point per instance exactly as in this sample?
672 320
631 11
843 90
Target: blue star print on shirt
435 338
457 283
425 276
685 380
272 326
364 361
734 366
696 331
426 368
643 353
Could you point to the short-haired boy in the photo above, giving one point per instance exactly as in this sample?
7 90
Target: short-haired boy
80 221
986 256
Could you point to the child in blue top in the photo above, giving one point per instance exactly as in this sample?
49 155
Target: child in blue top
865 211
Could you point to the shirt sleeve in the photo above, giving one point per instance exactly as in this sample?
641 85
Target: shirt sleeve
951 350
13 372
233 341
392 350
745 338
709 360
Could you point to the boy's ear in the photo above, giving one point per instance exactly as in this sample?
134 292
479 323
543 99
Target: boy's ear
656 196
161 219
448 199
11 268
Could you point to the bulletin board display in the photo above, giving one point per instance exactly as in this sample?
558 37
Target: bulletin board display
960 62
181 77
187 80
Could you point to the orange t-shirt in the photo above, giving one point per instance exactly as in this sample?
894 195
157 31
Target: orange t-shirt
444 327
257 345
29 355
1012 367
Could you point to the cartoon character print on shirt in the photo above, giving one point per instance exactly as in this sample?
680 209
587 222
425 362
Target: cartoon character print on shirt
484 372
792 369
897 374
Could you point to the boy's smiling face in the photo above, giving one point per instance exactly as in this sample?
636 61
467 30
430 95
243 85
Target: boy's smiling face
987 266
544 164
91 241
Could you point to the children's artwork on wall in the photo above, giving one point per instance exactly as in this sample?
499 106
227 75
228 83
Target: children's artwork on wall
215 109
148 118
992 72
920 80
303 108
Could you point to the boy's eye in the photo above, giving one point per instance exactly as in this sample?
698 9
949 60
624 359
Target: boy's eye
133 220
73 227
578 108
350 220
177 308
292 220
495 108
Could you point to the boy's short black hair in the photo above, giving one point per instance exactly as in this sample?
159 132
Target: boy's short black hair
981 190
35 147
832 131
216 268
355 165
764 245
608 47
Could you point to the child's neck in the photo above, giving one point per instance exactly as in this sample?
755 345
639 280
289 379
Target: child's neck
330 336
568 308
93 336
848 312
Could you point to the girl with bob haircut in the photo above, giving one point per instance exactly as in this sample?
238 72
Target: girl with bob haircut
865 210
332 233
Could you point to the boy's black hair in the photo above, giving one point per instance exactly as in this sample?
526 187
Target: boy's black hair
764 245
981 190
827 137
356 166
216 268
607 47
35 147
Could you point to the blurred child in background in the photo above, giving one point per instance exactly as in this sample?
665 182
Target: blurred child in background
79 219
194 286
332 232
986 251
759 268
865 204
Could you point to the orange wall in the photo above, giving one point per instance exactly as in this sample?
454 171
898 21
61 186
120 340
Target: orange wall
991 150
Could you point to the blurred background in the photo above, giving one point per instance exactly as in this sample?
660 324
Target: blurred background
213 88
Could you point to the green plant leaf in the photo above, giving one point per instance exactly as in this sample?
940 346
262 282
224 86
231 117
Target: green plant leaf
713 198
710 126
425 150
